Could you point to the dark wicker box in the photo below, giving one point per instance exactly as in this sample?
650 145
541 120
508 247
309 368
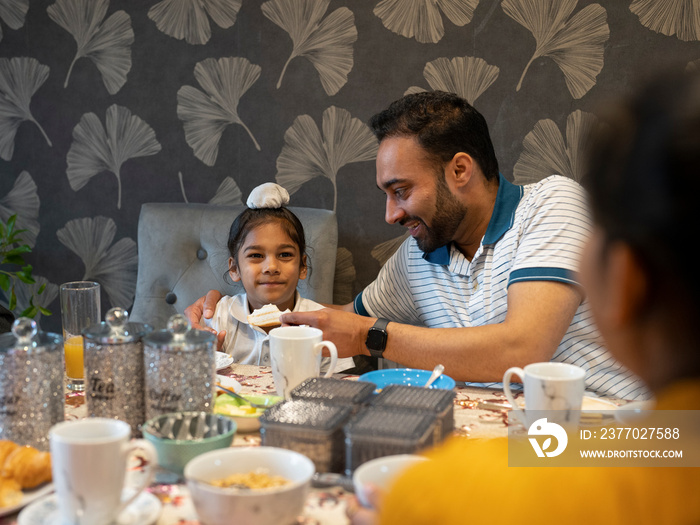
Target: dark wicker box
438 401
310 428
382 431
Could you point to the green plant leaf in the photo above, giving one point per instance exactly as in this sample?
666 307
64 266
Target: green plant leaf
14 236
11 223
30 312
13 259
25 274
41 289
12 250
26 277
44 311
19 250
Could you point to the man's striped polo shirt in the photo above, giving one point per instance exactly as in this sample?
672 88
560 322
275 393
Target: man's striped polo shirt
536 232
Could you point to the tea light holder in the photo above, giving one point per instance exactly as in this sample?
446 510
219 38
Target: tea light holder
180 367
31 384
114 369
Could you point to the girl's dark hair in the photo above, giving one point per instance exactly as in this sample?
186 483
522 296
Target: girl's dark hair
643 180
444 124
252 217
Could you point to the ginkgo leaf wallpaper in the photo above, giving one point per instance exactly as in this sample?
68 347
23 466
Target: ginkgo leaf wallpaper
109 104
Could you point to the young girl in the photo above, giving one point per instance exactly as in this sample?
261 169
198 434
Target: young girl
267 247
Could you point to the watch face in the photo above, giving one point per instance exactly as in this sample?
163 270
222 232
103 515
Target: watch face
376 339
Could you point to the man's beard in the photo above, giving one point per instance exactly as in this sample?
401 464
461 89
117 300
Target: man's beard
449 214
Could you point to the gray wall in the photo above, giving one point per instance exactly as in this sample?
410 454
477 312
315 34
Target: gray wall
81 201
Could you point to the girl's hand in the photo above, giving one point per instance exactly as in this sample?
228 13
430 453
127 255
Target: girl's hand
204 307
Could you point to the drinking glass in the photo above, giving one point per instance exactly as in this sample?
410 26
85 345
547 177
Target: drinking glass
80 308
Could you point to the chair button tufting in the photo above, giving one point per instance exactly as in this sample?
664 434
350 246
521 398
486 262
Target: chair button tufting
201 254
170 298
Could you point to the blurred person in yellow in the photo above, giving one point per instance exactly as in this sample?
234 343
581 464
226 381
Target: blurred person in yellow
638 271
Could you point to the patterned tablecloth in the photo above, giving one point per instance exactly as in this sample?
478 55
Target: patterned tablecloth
323 506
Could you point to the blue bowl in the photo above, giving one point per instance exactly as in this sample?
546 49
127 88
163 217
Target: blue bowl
406 376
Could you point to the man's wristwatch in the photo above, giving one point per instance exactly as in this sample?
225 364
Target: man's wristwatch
376 338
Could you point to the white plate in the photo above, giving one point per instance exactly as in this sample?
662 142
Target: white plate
596 404
631 412
144 510
588 404
228 382
223 360
27 498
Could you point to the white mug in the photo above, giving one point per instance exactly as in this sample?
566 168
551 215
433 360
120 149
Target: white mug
295 353
89 461
553 387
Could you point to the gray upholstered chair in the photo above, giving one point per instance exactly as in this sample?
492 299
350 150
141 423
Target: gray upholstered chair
183 254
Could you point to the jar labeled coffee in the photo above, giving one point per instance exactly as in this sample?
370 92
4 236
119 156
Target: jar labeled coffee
180 365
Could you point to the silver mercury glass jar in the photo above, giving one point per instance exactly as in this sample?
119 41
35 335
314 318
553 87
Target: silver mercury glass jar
114 372
31 384
180 369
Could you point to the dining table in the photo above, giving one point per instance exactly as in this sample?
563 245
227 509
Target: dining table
478 413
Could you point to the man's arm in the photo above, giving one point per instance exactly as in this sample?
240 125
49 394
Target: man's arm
345 307
539 314
204 307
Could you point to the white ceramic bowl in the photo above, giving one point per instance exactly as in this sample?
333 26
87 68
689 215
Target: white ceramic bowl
380 472
223 506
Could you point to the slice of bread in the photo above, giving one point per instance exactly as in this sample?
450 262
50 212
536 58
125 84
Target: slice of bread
267 316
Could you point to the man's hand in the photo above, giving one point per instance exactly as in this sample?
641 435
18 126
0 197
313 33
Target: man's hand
204 307
347 330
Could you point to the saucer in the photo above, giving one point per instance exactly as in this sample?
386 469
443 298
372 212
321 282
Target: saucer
631 412
144 510
27 497
223 360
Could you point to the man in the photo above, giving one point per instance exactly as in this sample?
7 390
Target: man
640 277
487 279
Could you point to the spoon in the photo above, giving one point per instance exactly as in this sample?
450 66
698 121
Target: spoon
437 372
238 396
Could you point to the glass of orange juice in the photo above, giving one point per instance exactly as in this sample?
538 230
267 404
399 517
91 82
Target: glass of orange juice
80 309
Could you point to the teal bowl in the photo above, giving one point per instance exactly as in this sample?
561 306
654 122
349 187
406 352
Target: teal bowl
180 436
406 376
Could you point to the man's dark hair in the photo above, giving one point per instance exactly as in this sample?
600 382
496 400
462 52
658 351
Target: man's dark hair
444 124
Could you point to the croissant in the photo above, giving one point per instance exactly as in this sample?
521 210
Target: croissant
10 493
6 447
27 466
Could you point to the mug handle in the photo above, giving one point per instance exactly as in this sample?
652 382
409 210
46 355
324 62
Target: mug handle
151 460
514 371
334 355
